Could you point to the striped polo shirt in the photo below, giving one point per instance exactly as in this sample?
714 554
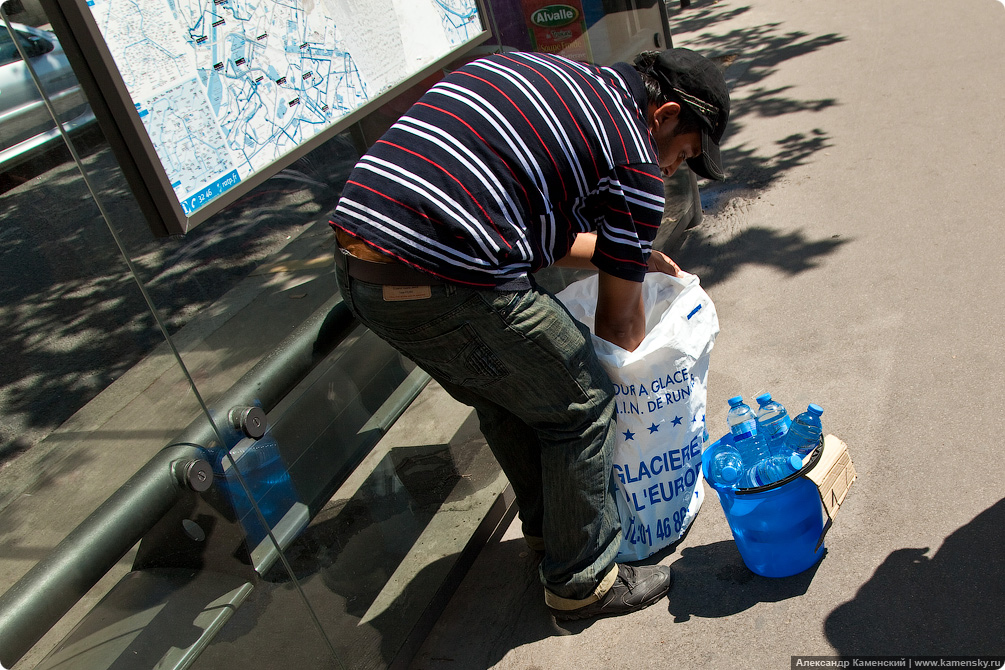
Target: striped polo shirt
492 173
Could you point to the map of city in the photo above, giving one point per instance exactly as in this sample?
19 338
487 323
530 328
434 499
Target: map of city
225 88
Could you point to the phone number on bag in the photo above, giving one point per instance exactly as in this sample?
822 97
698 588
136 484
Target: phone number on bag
666 528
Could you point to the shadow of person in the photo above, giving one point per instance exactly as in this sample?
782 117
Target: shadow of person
712 581
949 603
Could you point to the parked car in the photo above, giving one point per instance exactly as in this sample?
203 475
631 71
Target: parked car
25 123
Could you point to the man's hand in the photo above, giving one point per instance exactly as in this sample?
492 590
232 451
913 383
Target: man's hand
660 262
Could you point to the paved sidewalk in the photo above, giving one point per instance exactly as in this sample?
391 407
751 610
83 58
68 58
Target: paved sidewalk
854 258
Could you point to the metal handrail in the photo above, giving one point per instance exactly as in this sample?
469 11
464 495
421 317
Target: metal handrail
279 371
52 586
46 592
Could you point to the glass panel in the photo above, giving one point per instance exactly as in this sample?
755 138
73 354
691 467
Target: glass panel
191 595
271 629
25 124
387 545
91 394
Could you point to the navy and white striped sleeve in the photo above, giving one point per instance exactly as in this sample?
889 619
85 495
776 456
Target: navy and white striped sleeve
630 218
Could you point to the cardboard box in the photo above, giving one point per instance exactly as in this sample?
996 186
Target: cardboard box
833 474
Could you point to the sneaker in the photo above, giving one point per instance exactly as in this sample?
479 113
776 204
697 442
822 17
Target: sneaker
634 588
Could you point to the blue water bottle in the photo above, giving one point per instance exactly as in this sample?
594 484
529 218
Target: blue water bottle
804 433
725 466
776 467
268 480
772 422
743 427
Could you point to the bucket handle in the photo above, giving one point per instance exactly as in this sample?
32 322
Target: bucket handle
810 464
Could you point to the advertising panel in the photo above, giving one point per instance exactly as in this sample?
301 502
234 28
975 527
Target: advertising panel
558 27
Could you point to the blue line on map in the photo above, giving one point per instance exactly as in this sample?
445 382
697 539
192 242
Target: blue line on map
450 10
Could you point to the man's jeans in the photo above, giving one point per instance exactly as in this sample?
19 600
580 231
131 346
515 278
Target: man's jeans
544 403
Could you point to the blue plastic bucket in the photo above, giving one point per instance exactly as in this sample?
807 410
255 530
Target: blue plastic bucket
778 528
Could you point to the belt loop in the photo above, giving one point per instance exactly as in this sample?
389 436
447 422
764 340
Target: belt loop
340 257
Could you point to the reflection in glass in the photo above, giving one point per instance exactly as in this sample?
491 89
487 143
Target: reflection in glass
386 546
25 124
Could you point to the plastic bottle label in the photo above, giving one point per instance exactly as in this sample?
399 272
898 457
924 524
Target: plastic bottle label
745 430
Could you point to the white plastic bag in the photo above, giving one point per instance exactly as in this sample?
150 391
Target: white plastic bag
660 396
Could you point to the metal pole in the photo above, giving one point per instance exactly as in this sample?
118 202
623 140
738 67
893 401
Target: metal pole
46 592
279 371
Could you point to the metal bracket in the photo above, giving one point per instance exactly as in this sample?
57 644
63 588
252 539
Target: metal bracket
249 420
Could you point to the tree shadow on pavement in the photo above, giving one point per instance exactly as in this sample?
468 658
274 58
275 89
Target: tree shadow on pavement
946 604
750 56
716 258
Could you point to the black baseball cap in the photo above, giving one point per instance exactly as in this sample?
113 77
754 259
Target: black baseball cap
691 79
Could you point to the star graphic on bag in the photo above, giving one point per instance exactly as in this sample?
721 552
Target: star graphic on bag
653 428
629 435
677 420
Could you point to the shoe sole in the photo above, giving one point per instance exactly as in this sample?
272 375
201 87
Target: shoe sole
579 617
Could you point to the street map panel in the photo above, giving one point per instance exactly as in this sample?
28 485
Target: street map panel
225 88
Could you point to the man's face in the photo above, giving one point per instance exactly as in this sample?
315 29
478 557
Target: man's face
673 148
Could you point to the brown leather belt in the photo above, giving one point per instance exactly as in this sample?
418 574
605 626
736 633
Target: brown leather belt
365 264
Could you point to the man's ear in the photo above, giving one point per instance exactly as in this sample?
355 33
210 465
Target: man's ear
668 111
